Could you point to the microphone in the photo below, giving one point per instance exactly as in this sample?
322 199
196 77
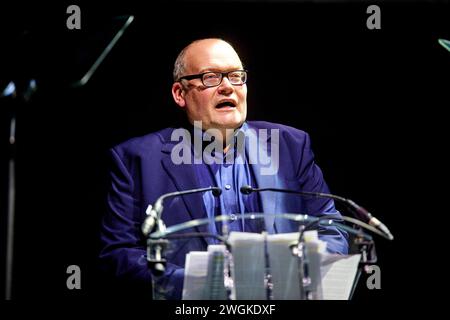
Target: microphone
359 210
154 212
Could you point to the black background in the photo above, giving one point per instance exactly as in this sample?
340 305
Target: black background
373 102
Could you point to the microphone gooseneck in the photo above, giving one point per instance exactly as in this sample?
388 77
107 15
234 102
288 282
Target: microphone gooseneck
154 212
358 209
156 247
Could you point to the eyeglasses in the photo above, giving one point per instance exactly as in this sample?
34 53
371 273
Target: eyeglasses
213 79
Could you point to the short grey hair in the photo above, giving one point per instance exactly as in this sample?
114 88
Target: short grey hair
179 67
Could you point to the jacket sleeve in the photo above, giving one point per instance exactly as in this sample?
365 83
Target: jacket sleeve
123 247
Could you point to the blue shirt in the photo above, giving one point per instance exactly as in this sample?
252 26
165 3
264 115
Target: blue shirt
229 172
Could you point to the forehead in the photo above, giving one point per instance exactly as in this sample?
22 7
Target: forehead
211 55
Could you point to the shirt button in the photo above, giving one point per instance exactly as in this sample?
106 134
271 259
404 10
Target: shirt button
227 186
232 216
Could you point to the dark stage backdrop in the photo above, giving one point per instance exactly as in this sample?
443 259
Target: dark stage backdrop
372 101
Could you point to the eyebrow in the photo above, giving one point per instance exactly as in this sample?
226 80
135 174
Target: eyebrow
215 69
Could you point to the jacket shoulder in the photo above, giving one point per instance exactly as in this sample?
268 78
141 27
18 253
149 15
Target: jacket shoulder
284 130
143 144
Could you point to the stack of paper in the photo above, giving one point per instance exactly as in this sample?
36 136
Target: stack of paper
214 287
338 275
204 274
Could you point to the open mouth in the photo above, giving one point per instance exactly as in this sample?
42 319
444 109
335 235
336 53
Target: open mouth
226 104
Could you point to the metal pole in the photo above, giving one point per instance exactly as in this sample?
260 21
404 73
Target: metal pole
11 212
301 262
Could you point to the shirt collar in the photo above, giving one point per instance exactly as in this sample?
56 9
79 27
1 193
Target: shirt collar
237 148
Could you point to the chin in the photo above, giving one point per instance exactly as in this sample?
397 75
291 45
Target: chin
230 124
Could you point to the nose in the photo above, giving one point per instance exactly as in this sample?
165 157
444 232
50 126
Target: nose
226 88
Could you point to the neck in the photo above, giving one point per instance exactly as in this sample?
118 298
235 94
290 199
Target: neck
225 136
228 136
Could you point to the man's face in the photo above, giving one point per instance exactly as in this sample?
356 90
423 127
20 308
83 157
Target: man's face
220 107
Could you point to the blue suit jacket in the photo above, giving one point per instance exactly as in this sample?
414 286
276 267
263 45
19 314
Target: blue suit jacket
142 170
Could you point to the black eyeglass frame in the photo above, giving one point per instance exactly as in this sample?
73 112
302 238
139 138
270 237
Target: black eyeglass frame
223 74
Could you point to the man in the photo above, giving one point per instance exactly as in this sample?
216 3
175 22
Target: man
210 85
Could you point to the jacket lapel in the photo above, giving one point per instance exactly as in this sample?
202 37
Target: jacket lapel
184 178
269 199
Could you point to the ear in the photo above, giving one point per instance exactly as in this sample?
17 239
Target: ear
178 94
